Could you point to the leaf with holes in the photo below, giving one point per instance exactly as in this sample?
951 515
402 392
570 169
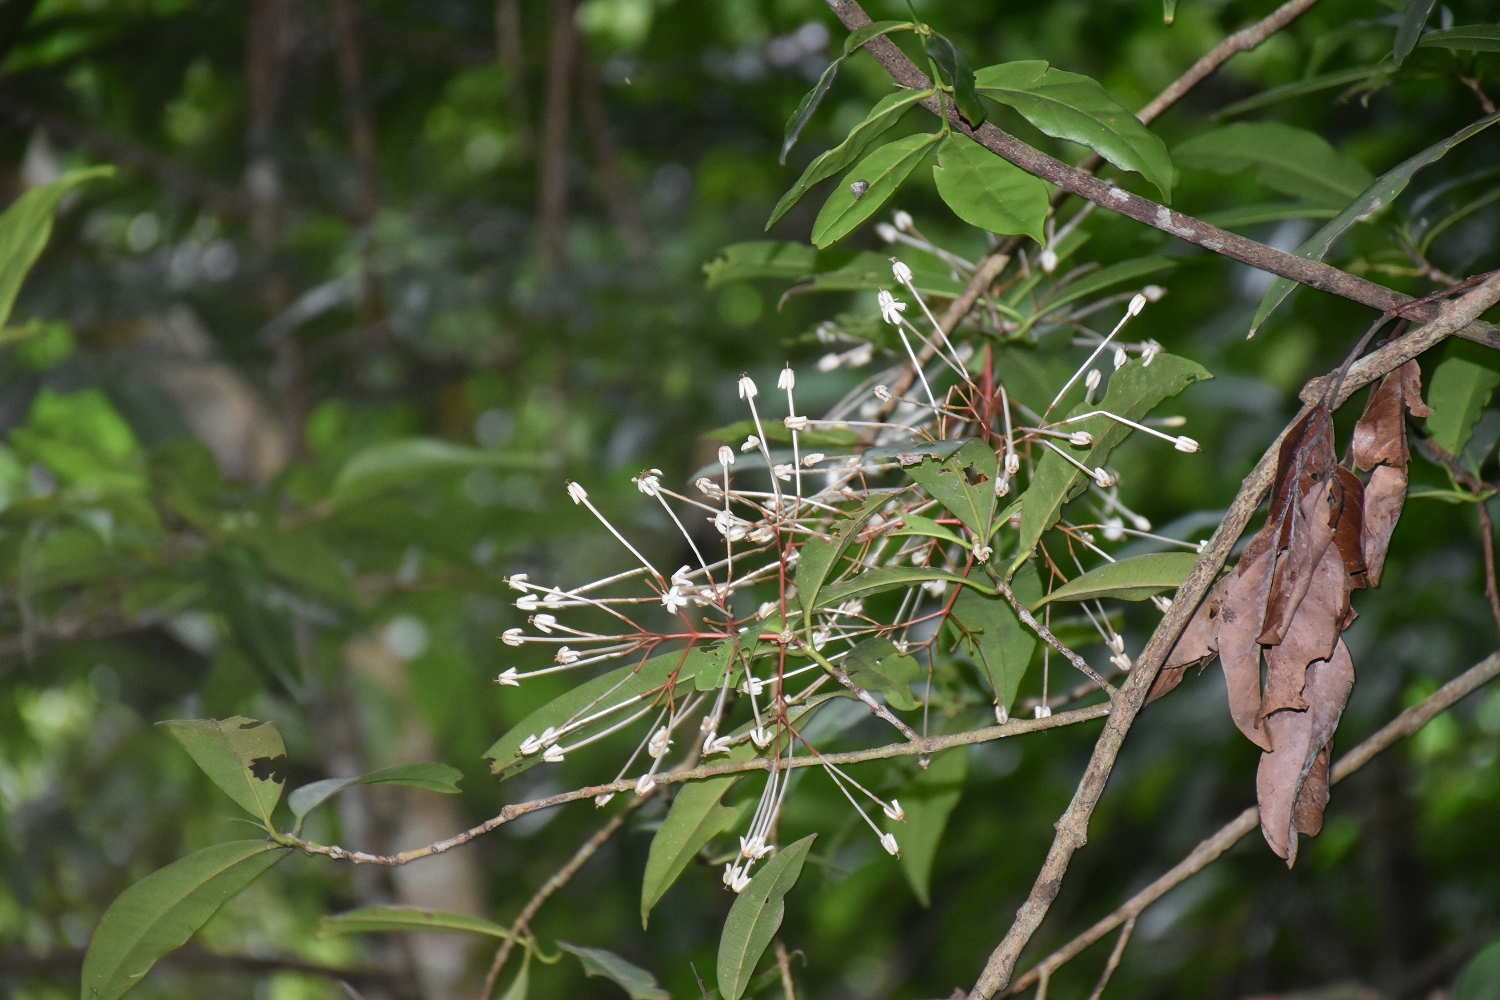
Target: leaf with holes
161 911
756 916
1290 160
880 173
244 757
964 483
988 192
634 980
1133 579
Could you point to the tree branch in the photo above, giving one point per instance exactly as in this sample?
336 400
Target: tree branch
1404 725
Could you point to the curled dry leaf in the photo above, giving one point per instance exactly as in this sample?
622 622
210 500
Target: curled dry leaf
1385 495
1197 645
1380 445
1240 619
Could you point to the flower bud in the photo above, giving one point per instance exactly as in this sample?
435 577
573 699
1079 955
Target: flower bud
901 272
577 492
903 220
1012 464
1137 304
1186 444
787 379
747 387
1048 261
751 443
1122 358
544 622
509 678
726 455
1092 379
1080 439
512 637
885 231
888 841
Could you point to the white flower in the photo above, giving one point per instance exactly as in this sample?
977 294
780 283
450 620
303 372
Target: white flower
509 678
795 423
1044 711
766 609
890 307
530 745
527 602
885 231
1001 715
858 357
1163 604
753 685
645 784
1137 304
903 220
882 393
673 600
649 482
895 812
787 379
751 443
1153 293
1122 661
1202 546
1122 358
544 622
659 742
760 736
712 745
754 847
829 362
681 578
747 387
1012 464
784 472
566 656
982 553
1049 260
1092 379
512 637
517 581
553 755
1116 643
1186 444
819 638
901 271
577 492
1112 532
935 588
1080 439
1151 350
729 526
762 535
708 488
736 879
600 801
726 455
888 841
812 458
1103 478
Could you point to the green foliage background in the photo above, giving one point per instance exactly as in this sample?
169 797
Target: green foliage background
357 604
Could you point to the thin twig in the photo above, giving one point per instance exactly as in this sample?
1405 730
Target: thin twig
1478 488
784 963
1402 726
1114 958
1030 622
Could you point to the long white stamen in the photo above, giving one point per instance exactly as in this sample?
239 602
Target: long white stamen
1130 312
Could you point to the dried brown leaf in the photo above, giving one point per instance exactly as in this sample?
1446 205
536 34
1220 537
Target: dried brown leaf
1239 623
1299 738
1196 646
1380 434
1385 494
1311 636
1309 532
1307 816
1411 389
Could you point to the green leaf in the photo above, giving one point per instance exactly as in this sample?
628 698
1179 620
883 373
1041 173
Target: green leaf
886 113
868 271
925 527
1290 160
522 983
838 436
1075 107
756 916
640 984
877 665
820 556
1458 392
877 581
83 439
928 800
1133 579
1105 277
760 259
1480 979
1004 645
244 757
392 464
1365 77
432 777
989 192
614 688
696 817
1412 23
1253 215
883 170
1464 38
859 38
807 106
164 909
964 483
954 64
1134 391
1374 198
1168 11
385 919
26 226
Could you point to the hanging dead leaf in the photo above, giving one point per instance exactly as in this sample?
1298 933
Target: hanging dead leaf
1197 645
1309 530
1385 495
1307 816
1311 636
1348 533
1240 617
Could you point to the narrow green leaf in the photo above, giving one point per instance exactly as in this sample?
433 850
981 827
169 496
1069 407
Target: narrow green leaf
1464 38
886 113
1374 198
760 259
27 225
1168 11
1133 579
1460 389
884 171
432 777
1480 979
1290 160
807 106
696 817
392 464
387 919
522 983
916 524
1134 391
964 483
756 916
878 581
954 65
640 984
1004 645
859 38
869 271
837 436
1412 23
820 556
1106 277
164 909
1075 107
928 800
244 757
988 192
1253 215
1365 77
877 665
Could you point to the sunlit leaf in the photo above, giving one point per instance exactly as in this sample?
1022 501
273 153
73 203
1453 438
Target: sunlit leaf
634 980
756 916
161 911
387 919
989 192
1133 579
432 777
26 226
244 757
928 800
883 171
1290 160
